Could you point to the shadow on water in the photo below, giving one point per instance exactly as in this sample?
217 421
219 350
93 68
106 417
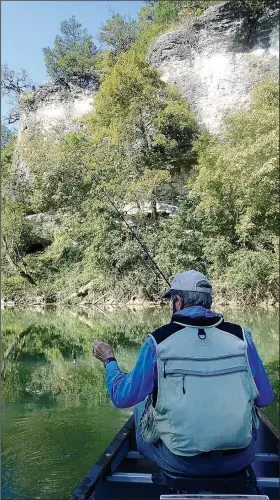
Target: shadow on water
56 415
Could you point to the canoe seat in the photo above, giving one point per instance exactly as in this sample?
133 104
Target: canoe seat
206 496
241 482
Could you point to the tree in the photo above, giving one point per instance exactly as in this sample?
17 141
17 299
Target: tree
161 11
7 135
236 188
15 230
238 178
119 32
13 85
55 178
73 53
166 11
142 128
13 82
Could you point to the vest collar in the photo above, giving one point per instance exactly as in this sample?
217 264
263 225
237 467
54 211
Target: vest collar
197 316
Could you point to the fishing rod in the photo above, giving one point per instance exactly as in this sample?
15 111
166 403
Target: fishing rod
143 245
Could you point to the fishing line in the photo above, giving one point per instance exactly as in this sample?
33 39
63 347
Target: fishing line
136 235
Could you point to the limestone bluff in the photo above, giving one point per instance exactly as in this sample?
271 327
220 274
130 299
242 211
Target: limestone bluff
215 60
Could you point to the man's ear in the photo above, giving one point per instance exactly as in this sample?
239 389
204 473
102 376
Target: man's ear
180 303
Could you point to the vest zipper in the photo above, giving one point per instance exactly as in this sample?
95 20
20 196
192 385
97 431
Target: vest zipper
183 380
164 369
225 371
227 356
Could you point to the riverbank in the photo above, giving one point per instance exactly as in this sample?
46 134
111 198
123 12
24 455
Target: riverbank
111 301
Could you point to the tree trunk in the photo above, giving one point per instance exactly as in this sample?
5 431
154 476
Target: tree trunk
14 263
154 209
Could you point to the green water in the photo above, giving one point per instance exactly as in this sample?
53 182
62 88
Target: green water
56 416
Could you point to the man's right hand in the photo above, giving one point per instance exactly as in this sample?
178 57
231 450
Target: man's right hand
101 350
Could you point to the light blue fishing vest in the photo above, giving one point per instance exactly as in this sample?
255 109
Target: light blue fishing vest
206 392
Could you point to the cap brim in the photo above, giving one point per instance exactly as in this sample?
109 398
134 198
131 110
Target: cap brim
167 294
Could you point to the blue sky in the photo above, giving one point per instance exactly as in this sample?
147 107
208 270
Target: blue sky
28 26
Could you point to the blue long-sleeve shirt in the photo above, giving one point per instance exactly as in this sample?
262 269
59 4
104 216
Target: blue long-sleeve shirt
126 390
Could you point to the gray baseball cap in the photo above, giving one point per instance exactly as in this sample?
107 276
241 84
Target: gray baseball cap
188 281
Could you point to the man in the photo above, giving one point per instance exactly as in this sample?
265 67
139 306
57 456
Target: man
194 387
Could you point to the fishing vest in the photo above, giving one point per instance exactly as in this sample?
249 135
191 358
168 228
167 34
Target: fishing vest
206 392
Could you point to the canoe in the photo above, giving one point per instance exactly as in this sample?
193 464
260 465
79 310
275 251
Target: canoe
122 473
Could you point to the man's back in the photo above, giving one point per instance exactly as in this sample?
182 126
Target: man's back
141 384
207 427
126 390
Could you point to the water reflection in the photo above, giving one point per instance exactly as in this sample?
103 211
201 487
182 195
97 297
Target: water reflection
10 489
37 439
56 415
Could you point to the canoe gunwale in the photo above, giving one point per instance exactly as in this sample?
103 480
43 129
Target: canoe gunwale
273 428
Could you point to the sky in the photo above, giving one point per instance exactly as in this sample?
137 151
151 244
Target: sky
28 26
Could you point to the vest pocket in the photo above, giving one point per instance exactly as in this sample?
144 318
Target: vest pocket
208 409
148 423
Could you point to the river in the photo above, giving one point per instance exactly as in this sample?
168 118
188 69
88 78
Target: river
56 416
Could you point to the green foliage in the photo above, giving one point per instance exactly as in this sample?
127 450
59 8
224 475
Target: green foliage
119 32
138 146
163 12
55 179
104 61
7 153
140 134
73 53
252 274
186 250
17 233
241 191
141 123
12 209
235 186
7 136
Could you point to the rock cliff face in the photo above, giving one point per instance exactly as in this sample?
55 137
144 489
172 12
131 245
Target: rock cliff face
57 104
215 60
218 58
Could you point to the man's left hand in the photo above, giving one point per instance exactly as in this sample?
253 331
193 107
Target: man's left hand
101 350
